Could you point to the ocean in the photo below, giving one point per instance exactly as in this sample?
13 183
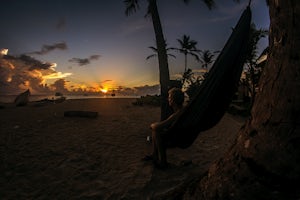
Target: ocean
11 98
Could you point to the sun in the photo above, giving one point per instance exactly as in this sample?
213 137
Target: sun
104 90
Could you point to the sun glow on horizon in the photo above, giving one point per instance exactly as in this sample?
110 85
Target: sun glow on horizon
104 90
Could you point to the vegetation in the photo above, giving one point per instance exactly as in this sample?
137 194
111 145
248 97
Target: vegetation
207 58
164 76
254 69
192 80
187 47
154 49
150 100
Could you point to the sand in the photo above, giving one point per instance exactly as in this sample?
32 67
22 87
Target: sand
45 155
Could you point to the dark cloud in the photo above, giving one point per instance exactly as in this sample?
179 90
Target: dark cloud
94 57
60 85
105 81
80 61
84 61
47 48
33 64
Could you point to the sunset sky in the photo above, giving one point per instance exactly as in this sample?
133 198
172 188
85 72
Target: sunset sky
91 44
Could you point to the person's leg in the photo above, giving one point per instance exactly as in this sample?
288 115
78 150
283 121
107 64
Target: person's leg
161 149
154 146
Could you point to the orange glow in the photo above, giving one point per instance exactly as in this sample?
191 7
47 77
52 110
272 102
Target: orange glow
104 90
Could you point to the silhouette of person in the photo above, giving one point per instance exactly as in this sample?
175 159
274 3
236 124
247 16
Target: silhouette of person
159 158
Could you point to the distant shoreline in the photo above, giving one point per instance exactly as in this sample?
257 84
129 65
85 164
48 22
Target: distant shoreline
32 98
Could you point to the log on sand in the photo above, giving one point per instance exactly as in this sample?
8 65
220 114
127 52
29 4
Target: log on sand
80 113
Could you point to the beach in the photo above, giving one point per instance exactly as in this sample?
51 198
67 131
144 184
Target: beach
46 155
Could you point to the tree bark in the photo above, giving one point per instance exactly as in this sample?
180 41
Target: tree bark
263 163
164 76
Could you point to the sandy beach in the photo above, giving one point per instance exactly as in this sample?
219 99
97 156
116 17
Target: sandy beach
45 155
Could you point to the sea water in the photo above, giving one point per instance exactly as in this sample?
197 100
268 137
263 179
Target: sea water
11 98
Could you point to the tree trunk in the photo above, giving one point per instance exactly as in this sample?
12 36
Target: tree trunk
164 76
185 63
263 163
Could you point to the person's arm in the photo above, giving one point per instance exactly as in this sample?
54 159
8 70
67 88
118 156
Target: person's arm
165 123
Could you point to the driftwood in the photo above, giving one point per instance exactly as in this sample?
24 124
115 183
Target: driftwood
79 113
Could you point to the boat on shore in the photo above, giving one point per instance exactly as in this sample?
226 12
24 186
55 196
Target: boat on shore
22 99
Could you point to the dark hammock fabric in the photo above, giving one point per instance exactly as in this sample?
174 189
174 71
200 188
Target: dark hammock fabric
216 92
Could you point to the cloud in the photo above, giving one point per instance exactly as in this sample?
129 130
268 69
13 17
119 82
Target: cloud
25 72
3 52
105 81
48 48
60 86
56 75
84 61
33 64
94 57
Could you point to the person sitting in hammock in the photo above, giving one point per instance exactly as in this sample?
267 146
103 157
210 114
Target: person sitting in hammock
159 129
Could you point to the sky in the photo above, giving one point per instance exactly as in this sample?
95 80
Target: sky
91 45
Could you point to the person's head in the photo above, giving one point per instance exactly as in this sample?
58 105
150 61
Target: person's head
176 96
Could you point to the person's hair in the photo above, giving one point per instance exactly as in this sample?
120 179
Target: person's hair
177 95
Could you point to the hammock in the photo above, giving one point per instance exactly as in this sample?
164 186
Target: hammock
215 93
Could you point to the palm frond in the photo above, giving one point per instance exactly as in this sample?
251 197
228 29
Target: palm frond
153 48
194 55
210 4
171 55
131 6
151 56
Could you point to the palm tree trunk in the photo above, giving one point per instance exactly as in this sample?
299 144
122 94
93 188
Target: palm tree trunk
164 76
264 161
185 62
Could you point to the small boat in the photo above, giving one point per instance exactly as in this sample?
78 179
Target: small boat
113 93
22 99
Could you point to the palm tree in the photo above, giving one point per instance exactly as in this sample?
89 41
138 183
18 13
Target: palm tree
187 47
255 36
207 58
164 76
132 6
155 52
252 57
